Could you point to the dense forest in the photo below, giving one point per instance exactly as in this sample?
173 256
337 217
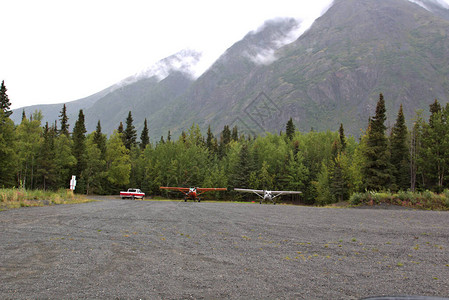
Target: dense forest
326 166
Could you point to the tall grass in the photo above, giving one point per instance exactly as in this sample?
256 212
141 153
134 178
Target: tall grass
418 200
14 198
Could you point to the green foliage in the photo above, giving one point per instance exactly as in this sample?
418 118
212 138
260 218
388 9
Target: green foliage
29 139
435 147
130 133
8 155
94 173
290 129
118 165
79 151
144 137
419 200
4 101
400 153
376 171
64 121
325 166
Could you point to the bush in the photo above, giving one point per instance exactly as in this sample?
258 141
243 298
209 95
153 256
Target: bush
424 200
356 199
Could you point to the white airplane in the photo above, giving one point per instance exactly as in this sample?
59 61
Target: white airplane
267 195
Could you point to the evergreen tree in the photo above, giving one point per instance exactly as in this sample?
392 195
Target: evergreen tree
100 140
94 174
235 134
225 137
169 136
23 115
209 140
8 155
120 128
144 137
435 148
243 168
400 153
341 132
290 129
376 170
79 151
416 137
4 101
130 134
338 177
64 120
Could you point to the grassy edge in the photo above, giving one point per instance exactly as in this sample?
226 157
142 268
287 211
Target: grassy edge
17 198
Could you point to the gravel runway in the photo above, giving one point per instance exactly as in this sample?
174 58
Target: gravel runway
175 250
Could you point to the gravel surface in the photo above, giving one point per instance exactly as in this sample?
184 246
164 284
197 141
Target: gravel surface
175 250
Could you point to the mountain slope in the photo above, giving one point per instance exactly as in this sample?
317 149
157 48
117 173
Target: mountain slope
335 71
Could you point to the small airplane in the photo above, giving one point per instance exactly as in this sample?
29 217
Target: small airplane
267 195
192 193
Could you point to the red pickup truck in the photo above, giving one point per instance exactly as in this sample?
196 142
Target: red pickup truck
133 194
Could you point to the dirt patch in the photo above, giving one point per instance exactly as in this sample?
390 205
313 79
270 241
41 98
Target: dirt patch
178 250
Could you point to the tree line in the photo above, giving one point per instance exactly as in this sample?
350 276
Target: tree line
326 166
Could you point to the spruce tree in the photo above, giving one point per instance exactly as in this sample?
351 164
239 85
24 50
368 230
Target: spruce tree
130 134
225 136
435 148
235 134
64 121
290 129
400 153
4 101
120 128
79 150
100 140
243 168
169 136
376 170
144 137
210 141
225 139
341 132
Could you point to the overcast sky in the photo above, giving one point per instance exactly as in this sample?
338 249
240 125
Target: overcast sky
55 51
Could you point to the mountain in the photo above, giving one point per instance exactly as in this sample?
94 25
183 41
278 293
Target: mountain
333 73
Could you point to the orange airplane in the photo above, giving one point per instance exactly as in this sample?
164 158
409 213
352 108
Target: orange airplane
192 193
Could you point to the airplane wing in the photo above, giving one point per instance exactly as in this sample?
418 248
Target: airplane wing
181 189
248 190
285 192
278 193
259 193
